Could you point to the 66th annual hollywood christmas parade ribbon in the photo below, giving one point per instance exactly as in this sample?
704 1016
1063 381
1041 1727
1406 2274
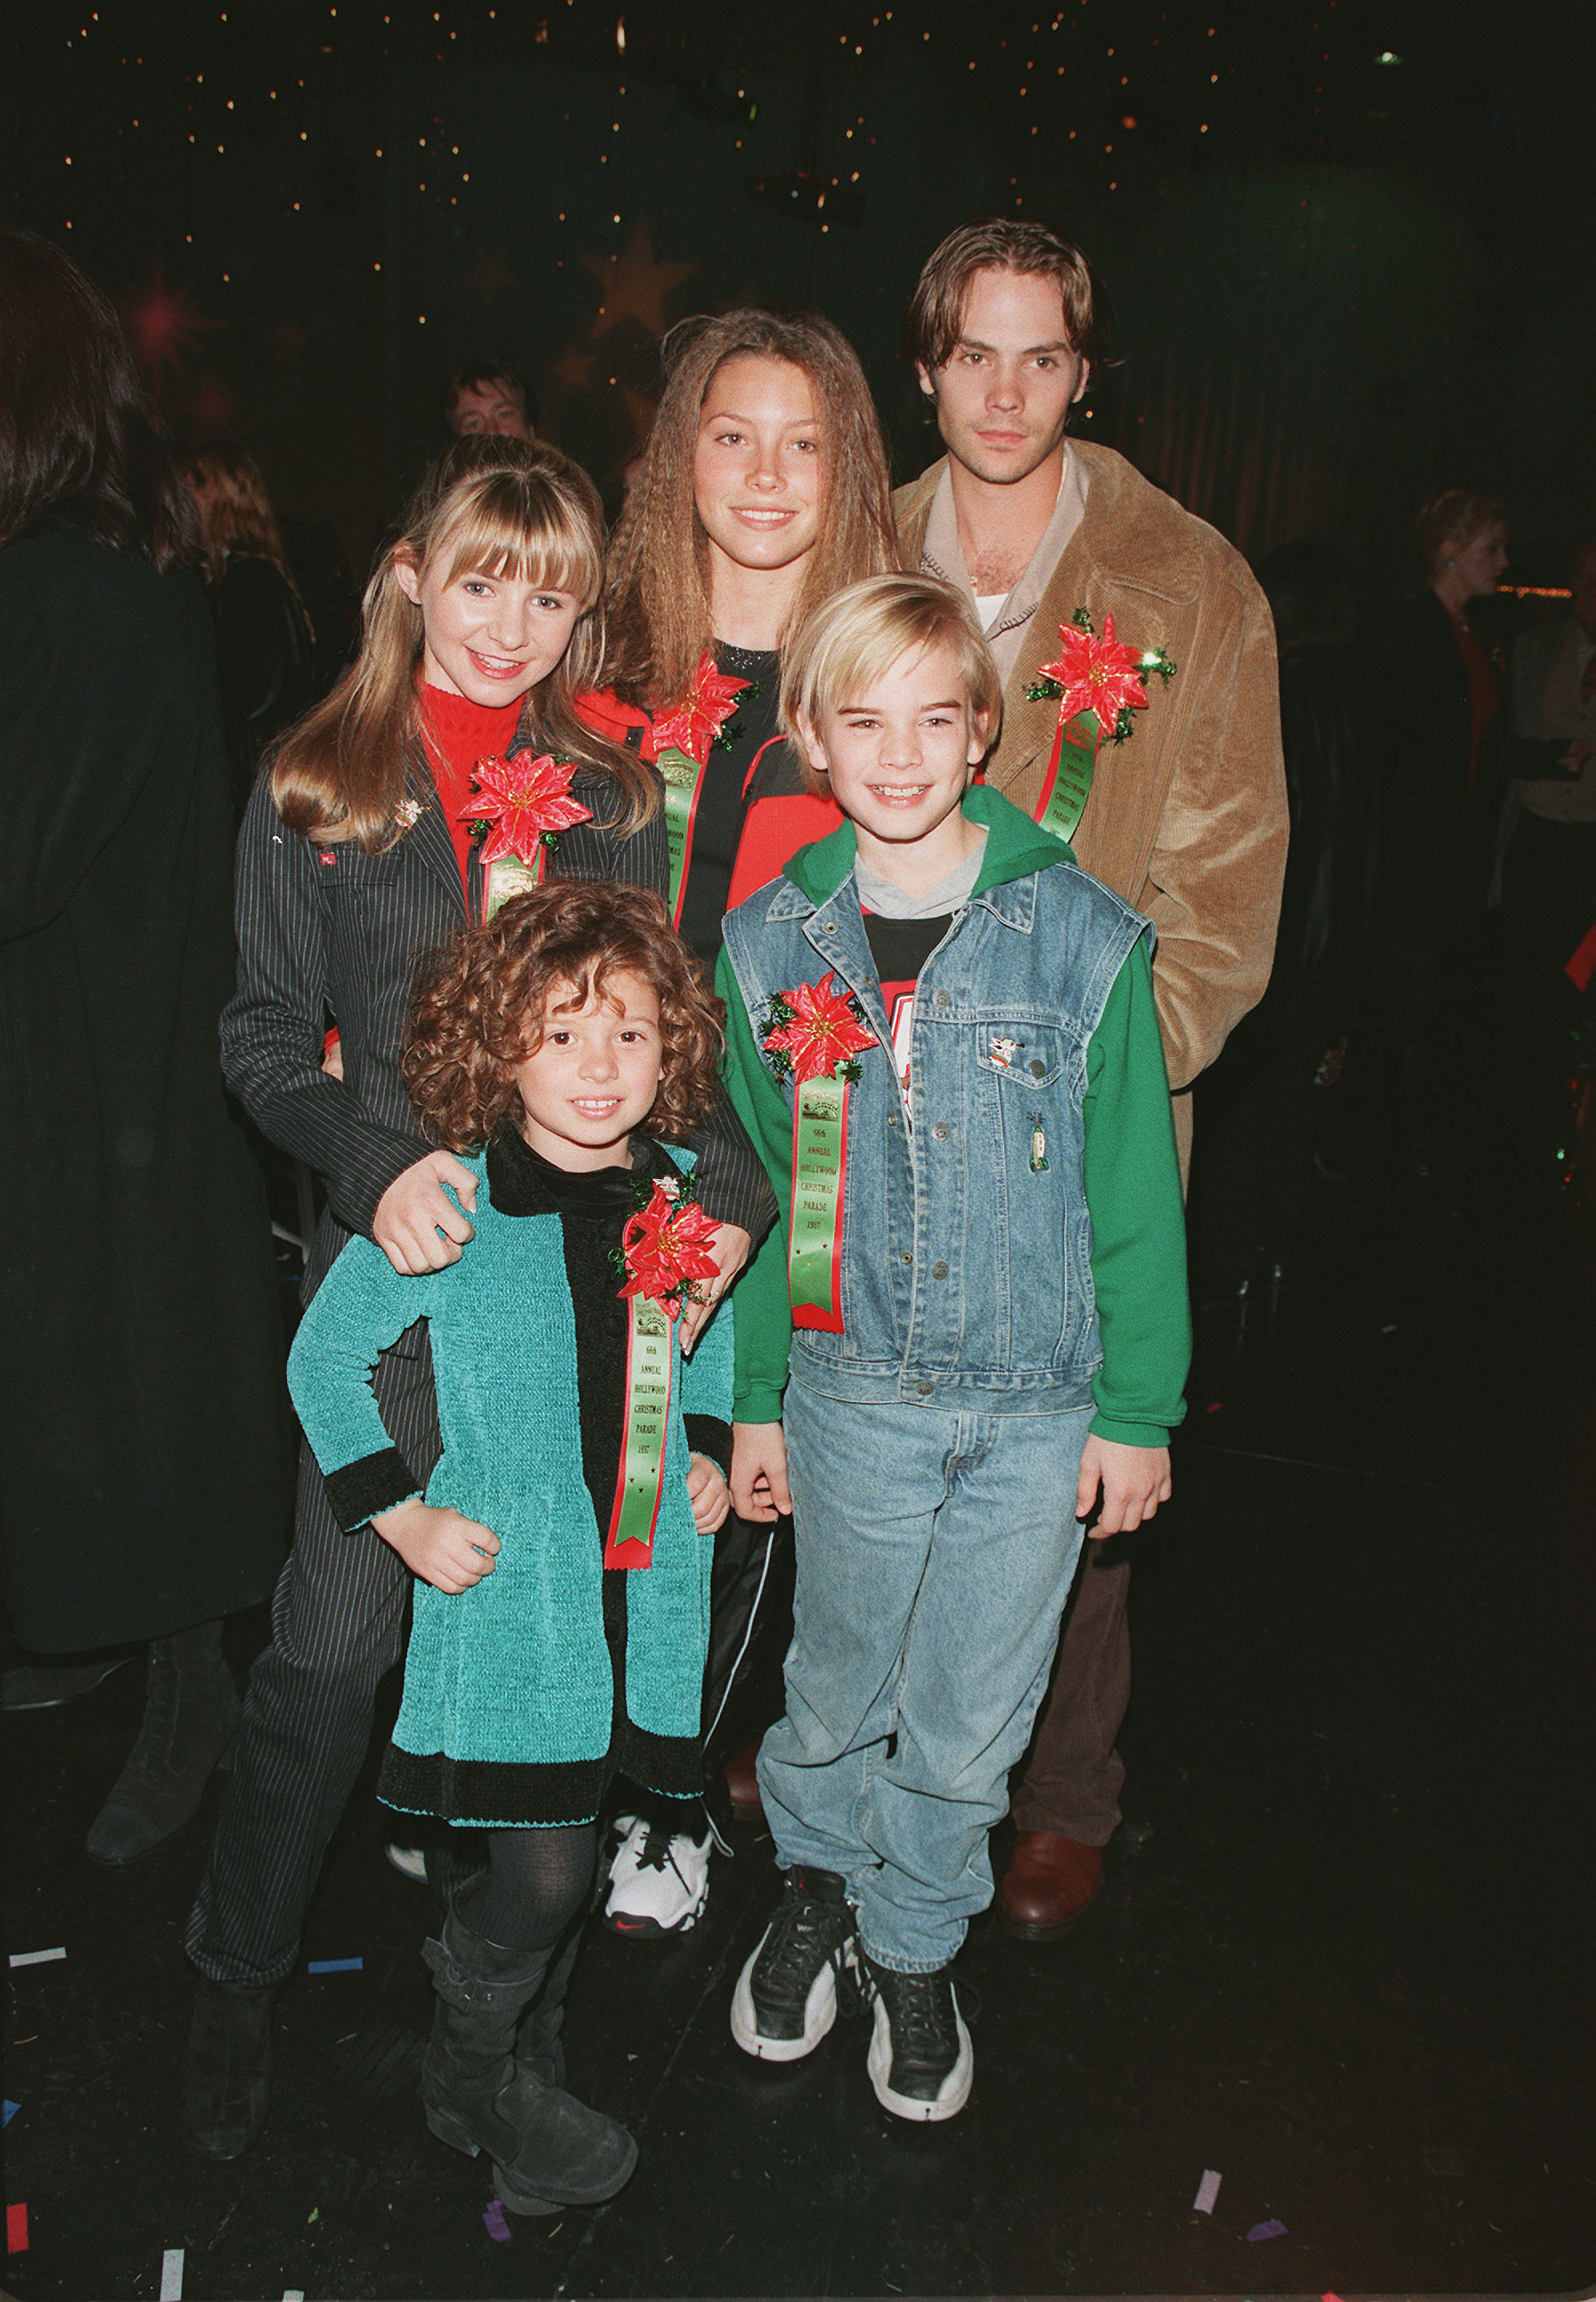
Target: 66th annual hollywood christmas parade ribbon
664 1248
1098 683
681 741
522 805
814 1035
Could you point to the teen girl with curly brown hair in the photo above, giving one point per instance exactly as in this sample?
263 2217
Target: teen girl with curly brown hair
558 1050
763 490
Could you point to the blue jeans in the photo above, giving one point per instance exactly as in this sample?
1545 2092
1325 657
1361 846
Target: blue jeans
934 1554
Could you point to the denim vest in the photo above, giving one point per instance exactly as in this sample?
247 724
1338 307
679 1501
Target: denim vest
966 1262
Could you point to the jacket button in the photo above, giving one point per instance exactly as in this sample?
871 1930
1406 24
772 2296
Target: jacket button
939 1132
1038 1071
939 999
925 1389
831 926
939 1271
905 1258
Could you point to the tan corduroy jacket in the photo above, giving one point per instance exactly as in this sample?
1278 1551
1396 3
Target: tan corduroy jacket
1186 818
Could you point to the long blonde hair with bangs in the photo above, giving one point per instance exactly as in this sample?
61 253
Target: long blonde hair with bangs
657 593
494 507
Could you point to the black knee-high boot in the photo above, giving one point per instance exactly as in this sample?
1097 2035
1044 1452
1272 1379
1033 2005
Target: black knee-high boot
549 2150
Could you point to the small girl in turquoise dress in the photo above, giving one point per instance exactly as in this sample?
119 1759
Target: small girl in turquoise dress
562 1599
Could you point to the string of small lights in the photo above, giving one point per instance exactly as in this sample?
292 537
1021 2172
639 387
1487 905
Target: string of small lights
271 190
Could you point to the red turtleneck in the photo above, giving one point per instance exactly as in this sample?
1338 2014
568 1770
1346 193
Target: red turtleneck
457 734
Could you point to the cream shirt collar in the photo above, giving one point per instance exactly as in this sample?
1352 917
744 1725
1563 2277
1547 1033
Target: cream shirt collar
942 554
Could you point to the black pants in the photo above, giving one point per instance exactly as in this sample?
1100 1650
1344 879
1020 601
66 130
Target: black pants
338 1623
741 1582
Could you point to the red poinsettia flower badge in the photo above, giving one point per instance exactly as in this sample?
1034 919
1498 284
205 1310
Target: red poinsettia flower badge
667 1246
693 727
823 1032
520 800
1097 674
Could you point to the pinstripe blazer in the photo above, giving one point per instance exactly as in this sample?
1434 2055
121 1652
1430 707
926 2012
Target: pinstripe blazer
333 933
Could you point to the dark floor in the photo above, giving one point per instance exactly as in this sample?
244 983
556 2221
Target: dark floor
1343 1960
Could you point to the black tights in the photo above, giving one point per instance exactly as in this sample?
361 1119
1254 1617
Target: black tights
536 1884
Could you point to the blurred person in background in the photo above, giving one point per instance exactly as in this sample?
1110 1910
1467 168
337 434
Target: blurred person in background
1444 781
264 644
1265 1106
143 1487
1549 879
490 396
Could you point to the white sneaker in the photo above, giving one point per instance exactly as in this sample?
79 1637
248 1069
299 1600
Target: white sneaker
659 1882
409 1861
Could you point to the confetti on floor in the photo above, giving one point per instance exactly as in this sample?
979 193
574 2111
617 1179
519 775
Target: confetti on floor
335 1966
12 2109
37 1957
1260 2230
16 2230
1207 2192
171 2275
498 2229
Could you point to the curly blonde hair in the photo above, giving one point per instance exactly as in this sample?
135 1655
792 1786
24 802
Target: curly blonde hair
482 1002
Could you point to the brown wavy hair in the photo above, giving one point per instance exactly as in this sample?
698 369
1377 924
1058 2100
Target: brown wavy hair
657 592
1002 244
240 518
489 506
80 444
481 1000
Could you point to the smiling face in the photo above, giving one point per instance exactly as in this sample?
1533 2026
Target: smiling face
899 758
490 638
1004 393
594 1075
758 477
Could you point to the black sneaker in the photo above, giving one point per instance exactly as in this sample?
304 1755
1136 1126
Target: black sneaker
787 1994
922 2063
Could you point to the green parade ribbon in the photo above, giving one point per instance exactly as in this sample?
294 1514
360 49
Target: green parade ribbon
1069 782
630 1541
511 877
683 780
815 1252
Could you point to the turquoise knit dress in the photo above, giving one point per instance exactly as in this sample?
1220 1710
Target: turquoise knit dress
526 1693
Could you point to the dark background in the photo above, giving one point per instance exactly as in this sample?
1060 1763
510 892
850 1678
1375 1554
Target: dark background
1342 281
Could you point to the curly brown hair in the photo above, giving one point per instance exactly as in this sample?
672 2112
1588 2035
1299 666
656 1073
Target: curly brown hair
481 1001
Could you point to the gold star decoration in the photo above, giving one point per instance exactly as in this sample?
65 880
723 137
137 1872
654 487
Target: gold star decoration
634 285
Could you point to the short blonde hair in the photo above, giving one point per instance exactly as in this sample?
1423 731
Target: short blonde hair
860 632
1452 517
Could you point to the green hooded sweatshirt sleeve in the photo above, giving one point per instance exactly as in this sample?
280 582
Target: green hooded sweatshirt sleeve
764 1315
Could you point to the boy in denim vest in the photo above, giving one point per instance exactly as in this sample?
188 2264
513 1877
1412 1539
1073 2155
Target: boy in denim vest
970 1322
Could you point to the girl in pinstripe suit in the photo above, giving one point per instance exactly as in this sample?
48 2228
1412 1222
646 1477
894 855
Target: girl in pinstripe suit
481 626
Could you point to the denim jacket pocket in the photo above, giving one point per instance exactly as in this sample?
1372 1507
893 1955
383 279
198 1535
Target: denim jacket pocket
1031 1057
